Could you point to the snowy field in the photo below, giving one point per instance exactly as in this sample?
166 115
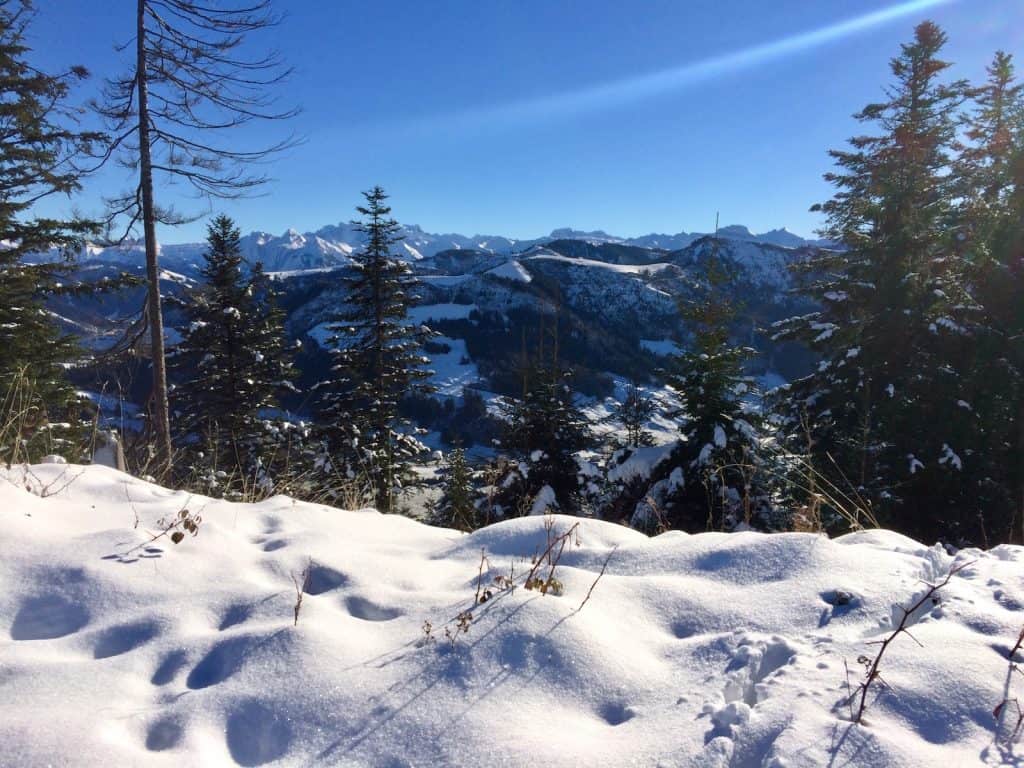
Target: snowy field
711 650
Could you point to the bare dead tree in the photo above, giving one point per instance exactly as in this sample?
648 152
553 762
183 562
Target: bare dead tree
169 116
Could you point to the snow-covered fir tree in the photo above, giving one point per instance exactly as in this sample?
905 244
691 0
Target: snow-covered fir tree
234 363
889 420
457 506
544 431
378 360
36 154
715 478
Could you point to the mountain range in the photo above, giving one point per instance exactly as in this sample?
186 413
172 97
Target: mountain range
333 245
615 300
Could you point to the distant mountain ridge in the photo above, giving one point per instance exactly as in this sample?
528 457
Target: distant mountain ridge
333 245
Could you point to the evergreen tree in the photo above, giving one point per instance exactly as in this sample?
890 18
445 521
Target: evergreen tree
378 360
884 405
714 478
37 156
991 174
234 364
543 433
456 507
633 413
984 168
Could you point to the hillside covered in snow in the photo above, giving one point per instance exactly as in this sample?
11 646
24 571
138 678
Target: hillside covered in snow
422 646
617 299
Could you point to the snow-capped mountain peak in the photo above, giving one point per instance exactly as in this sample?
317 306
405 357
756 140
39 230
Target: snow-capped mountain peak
333 245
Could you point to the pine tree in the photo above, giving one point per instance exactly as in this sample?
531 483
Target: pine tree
884 403
714 479
378 360
984 168
990 172
40 144
456 507
543 432
633 413
234 364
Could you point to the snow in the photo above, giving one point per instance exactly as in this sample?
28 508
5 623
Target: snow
950 457
452 370
704 650
424 313
332 246
640 463
720 439
626 269
827 329
511 270
544 501
661 347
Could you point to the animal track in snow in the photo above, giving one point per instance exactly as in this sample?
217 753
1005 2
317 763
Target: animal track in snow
754 660
752 663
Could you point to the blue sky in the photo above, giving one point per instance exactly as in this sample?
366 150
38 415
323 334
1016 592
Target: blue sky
513 118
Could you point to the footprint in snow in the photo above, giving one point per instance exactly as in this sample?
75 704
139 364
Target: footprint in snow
228 656
124 638
169 668
256 734
367 611
616 713
235 614
47 617
323 579
164 734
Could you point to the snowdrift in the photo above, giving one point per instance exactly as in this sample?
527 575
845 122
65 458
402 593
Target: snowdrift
706 650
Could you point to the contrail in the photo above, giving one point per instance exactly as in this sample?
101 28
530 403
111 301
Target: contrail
633 89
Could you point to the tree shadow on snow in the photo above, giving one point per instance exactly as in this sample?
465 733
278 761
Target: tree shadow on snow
456 659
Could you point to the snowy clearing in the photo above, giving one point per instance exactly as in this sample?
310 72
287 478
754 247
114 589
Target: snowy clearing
705 650
629 269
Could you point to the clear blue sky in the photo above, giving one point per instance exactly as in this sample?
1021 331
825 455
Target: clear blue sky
517 116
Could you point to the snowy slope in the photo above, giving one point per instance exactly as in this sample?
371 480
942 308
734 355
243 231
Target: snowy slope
708 650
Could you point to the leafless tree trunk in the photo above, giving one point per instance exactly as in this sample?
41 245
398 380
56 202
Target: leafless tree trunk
190 84
161 419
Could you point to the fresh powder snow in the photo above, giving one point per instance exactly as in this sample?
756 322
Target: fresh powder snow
121 649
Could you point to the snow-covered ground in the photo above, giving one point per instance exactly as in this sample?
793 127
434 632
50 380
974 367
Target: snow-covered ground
706 650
